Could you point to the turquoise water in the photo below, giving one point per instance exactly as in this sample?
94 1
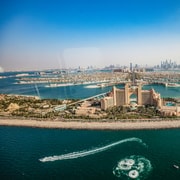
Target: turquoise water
83 154
8 86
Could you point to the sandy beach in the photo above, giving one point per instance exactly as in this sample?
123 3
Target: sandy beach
159 124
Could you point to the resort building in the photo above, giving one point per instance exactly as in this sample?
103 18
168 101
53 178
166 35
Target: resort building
170 110
123 97
133 96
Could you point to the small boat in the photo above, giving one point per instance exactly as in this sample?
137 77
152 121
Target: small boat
175 85
175 166
101 85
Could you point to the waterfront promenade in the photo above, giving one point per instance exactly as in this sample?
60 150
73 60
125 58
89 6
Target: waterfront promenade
70 124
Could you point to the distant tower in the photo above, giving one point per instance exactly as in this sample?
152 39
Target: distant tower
131 67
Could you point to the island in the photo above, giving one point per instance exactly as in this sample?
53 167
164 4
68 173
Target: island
91 113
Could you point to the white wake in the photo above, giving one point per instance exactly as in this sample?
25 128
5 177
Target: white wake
89 152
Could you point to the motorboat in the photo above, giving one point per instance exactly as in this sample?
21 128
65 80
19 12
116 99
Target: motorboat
176 166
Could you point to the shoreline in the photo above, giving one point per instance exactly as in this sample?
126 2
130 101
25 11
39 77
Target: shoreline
137 125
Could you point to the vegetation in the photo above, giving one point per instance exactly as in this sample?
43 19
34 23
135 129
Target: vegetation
14 105
141 112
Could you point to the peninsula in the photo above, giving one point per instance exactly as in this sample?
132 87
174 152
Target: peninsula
30 111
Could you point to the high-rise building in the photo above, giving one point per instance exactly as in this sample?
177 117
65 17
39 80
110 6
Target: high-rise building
131 68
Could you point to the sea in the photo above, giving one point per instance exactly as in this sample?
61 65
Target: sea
37 153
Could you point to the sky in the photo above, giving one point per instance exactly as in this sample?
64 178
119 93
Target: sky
53 34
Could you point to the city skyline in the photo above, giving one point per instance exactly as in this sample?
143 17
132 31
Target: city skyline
62 34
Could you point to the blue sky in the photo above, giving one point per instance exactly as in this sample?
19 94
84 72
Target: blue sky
44 34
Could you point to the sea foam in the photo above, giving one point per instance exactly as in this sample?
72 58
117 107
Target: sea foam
84 153
133 167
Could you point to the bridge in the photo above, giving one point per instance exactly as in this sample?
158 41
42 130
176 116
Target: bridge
96 96
64 106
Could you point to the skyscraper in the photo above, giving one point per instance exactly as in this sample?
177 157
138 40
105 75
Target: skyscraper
131 68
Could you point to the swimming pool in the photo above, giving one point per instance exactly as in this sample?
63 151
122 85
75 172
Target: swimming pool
170 104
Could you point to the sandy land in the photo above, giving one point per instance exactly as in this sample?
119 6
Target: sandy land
159 124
